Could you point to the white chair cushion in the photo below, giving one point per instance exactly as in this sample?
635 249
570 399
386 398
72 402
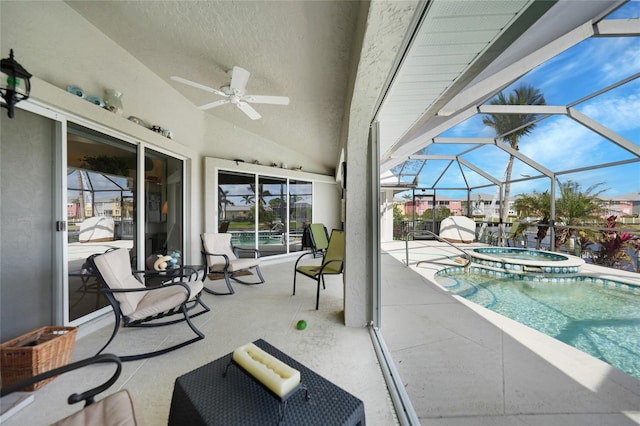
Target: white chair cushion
242 264
163 299
118 409
115 268
218 244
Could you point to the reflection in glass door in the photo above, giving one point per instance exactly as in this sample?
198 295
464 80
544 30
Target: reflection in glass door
264 212
236 207
163 203
101 182
300 208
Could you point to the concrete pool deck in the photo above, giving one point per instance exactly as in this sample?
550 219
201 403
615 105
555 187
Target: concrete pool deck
462 364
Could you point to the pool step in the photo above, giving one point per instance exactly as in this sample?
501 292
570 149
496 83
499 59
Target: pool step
484 297
458 286
462 287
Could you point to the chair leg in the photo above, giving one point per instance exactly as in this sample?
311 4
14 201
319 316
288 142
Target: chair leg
197 301
259 274
250 283
229 286
199 336
318 292
295 274
116 327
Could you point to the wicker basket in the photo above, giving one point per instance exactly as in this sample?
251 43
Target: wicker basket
36 352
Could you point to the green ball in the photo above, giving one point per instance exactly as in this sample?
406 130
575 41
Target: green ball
301 325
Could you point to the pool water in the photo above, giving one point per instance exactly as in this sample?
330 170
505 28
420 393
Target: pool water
603 322
521 256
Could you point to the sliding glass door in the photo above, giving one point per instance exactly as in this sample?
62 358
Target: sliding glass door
102 196
101 189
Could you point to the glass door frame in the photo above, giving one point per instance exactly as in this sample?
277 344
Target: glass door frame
60 288
257 175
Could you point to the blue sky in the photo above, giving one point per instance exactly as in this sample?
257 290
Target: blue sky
581 70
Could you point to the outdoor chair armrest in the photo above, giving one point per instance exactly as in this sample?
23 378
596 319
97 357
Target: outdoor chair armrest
324 265
300 258
87 396
255 251
131 290
206 253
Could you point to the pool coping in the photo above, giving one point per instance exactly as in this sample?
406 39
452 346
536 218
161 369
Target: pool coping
610 394
585 369
580 366
571 265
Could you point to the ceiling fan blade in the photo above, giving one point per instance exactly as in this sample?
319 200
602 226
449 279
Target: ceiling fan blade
260 99
248 109
197 85
213 104
239 78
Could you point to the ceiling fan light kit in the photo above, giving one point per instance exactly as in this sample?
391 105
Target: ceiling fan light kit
235 93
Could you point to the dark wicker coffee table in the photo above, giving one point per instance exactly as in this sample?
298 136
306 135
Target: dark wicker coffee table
205 396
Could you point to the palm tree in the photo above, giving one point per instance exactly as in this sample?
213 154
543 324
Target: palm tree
511 127
248 199
573 208
536 205
575 205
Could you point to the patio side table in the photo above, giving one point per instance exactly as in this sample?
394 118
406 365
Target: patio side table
205 396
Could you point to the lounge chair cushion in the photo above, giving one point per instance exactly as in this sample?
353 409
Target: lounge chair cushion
116 409
218 244
237 265
221 244
164 299
115 267
458 229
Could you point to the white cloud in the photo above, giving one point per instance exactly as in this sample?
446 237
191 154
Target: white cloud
618 113
618 58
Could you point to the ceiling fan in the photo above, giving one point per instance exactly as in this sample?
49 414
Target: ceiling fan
235 93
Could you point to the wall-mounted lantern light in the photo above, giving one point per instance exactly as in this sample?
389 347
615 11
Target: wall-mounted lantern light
15 83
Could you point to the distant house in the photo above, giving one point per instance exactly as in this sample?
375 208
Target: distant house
622 205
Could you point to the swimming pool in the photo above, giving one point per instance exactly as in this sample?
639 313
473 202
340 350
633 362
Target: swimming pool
597 316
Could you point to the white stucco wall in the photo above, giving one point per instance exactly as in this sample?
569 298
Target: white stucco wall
61 48
386 23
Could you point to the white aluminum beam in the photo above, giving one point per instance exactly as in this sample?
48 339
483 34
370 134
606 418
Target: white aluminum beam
599 166
523 109
499 80
539 167
466 141
432 157
604 132
479 171
617 27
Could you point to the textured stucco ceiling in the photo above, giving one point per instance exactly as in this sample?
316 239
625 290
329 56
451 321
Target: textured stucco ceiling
298 49
330 57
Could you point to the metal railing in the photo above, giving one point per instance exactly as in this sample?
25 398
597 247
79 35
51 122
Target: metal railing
437 237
